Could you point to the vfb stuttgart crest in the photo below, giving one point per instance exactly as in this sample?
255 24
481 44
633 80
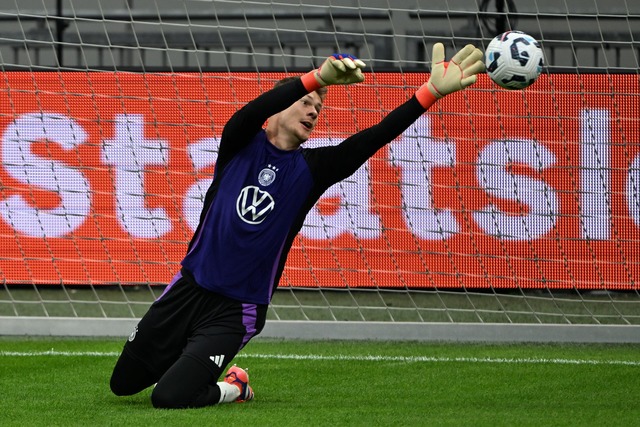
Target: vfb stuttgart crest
253 205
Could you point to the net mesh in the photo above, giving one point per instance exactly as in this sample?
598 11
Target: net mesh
496 206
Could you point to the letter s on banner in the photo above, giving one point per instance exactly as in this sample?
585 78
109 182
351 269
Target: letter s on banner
27 168
537 196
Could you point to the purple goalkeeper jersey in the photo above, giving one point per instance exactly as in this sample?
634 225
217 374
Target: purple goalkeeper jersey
238 248
260 195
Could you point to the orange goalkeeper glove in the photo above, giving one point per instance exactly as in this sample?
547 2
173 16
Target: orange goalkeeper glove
338 69
452 76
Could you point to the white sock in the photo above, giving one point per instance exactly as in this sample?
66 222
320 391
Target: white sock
228 392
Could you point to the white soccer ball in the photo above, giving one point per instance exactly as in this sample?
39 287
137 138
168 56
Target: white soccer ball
514 60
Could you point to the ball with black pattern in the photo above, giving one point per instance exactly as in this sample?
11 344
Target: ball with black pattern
514 60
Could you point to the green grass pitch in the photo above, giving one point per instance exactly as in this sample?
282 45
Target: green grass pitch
64 382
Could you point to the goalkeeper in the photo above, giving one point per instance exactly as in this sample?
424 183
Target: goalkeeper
263 186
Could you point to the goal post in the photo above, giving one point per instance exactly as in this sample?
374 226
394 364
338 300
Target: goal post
498 216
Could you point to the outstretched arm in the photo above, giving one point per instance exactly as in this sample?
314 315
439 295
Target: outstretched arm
452 76
245 123
339 162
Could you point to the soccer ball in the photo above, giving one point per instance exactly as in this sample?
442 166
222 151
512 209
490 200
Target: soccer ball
514 60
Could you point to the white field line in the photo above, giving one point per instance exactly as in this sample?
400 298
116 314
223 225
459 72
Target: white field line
368 358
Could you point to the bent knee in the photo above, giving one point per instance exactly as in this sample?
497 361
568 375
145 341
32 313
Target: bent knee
166 398
130 377
121 388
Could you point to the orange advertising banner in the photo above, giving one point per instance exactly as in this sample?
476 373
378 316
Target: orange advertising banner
103 175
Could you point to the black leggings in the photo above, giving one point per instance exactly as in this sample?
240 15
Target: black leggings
183 344
186 384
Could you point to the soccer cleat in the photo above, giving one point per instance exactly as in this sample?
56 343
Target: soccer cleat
240 378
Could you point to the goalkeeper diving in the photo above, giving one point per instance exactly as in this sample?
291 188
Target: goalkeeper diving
264 184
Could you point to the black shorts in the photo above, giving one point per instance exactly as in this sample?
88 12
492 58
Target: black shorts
188 320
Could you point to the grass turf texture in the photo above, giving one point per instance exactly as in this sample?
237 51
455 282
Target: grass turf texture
64 382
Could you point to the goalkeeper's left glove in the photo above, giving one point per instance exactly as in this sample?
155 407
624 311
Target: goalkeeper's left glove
338 69
452 76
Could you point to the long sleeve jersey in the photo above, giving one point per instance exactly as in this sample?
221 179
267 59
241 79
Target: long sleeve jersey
260 195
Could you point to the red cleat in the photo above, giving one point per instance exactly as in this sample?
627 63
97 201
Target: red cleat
240 378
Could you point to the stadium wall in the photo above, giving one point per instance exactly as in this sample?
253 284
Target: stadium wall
383 331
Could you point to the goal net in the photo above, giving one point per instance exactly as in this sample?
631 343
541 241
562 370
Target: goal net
497 215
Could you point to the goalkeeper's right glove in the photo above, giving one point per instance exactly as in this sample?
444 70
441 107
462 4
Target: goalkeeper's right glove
452 76
338 69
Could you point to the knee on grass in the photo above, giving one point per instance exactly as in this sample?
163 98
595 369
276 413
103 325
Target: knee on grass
122 388
168 398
